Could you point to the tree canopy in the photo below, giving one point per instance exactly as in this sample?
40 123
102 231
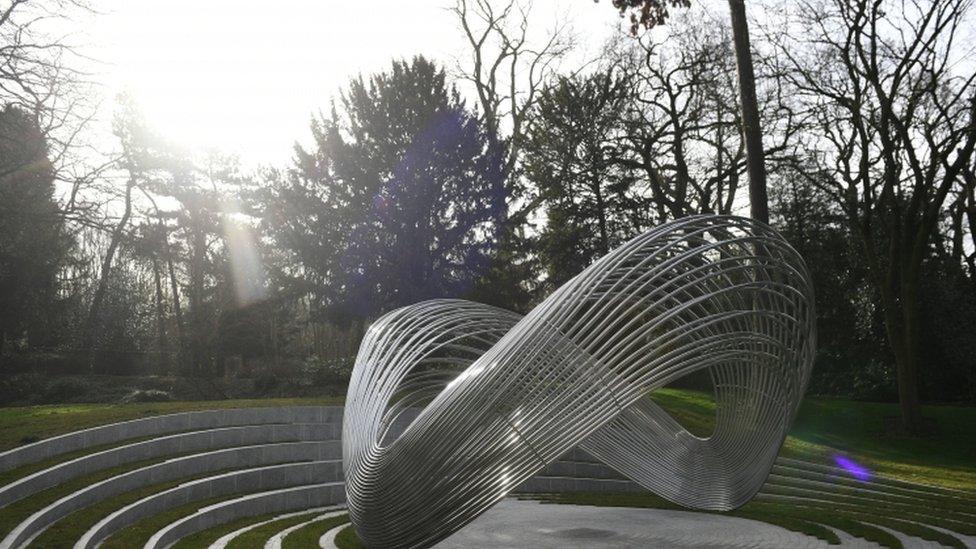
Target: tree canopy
398 200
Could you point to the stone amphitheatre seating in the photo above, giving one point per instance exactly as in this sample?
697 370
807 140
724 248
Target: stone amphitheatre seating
275 462
256 461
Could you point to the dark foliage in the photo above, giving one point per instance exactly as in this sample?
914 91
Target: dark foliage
32 241
398 201
647 13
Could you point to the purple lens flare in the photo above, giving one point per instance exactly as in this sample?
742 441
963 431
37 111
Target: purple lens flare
855 469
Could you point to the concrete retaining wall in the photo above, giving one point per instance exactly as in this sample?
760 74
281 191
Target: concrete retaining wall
165 424
182 443
277 501
174 469
250 480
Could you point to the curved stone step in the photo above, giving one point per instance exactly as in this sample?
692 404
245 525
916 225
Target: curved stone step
910 516
276 540
181 443
223 540
169 470
579 469
327 541
165 424
234 482
273 501
548 485
869 492
866 501
879 479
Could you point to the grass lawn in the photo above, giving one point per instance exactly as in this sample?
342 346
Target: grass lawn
825 428
347 539
795 498
25 424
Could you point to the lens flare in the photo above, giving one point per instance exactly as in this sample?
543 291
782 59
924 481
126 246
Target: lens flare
246 268
853 468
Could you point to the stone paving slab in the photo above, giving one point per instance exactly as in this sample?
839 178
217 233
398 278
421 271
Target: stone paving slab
516 524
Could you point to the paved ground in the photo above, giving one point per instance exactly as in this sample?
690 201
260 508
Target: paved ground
518 524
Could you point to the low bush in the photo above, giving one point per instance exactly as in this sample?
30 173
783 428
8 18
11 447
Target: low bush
147 395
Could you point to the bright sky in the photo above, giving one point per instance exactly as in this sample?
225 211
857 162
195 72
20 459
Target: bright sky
246 76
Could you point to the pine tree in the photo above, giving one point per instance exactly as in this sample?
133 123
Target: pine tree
32 241
398 201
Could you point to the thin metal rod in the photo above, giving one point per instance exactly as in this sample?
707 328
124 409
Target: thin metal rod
500 396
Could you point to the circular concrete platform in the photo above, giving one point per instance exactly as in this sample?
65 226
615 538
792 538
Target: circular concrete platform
518 524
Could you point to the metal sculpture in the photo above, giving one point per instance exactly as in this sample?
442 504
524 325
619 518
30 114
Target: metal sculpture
501 396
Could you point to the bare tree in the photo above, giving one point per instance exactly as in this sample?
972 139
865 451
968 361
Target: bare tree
41 73
755 156
684 131
508 69
893 123
651 13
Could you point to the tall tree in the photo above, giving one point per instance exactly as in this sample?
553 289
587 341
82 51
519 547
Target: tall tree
894 119
130 132
650 13
573 157
508 62
32 241
398 201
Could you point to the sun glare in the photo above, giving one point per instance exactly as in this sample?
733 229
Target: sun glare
245 76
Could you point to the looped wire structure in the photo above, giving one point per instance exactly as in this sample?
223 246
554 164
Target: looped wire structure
500 395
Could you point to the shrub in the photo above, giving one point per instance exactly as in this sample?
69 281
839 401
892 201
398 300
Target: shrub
65 389
327 373
147 395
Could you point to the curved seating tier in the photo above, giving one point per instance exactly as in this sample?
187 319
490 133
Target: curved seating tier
181 443
172 469
285 460
275 501
235 482
165 424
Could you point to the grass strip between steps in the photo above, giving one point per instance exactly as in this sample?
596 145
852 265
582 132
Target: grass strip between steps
139 532
205 538
260 535
308 535
12 475
916 530
65 532
347 539
18 511
18 424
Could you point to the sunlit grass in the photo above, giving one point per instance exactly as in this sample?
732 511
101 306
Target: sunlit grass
825 427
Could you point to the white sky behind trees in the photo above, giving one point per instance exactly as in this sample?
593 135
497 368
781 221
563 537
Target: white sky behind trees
246 76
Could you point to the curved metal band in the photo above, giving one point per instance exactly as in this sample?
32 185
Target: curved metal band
504 395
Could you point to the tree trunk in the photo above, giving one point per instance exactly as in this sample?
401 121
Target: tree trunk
197 332
901 327
106 271
755 161
163 363
907 367
177 308
601 216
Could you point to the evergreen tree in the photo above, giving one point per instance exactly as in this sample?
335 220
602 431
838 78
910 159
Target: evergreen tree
398 201
32 242
573 156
